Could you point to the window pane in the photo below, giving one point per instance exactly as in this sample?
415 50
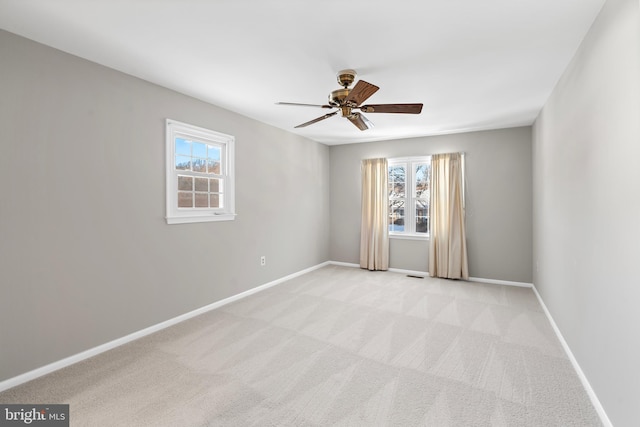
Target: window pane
397 181
214 166
199 150
215 200
202 200
199 165
202 184
183 163
422 179
213 153
422 225
214 185
185 200
396 215
185 183
422 216
183 147
397 189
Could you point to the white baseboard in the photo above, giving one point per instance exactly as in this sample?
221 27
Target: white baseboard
47 369
393 270
501 282
344 264
585 382
426 273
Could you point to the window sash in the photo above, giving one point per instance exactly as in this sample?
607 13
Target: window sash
403 209
179 212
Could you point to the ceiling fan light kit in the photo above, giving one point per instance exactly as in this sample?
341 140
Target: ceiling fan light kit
346 100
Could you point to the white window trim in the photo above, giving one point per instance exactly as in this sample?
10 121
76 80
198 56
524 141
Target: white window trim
408 236
408 161
175 215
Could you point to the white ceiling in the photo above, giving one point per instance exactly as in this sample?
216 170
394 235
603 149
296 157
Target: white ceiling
473 64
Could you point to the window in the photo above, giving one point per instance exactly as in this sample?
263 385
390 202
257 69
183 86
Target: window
409 196
200 179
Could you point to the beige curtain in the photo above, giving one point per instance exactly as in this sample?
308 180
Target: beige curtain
448 248
374 230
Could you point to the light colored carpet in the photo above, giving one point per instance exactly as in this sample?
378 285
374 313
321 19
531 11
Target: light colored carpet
338 346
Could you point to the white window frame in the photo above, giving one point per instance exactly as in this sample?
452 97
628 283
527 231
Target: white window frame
410 191
176 215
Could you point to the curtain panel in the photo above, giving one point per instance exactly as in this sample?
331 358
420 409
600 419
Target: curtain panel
374 230
448 247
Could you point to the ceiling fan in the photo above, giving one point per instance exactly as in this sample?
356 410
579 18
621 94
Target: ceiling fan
347 101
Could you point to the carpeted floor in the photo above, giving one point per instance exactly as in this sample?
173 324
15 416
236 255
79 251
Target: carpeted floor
338 346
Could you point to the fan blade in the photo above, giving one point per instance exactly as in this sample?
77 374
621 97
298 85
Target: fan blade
360 121
326 116
360 92
304 105
392 108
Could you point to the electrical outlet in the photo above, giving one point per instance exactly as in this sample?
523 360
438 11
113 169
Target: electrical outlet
263 260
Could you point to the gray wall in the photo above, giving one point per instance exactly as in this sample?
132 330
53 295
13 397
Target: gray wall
85 253
586 157
499 221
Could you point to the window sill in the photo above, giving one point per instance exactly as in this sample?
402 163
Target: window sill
201 218
408 236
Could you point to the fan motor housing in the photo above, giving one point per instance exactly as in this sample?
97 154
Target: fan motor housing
338 96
